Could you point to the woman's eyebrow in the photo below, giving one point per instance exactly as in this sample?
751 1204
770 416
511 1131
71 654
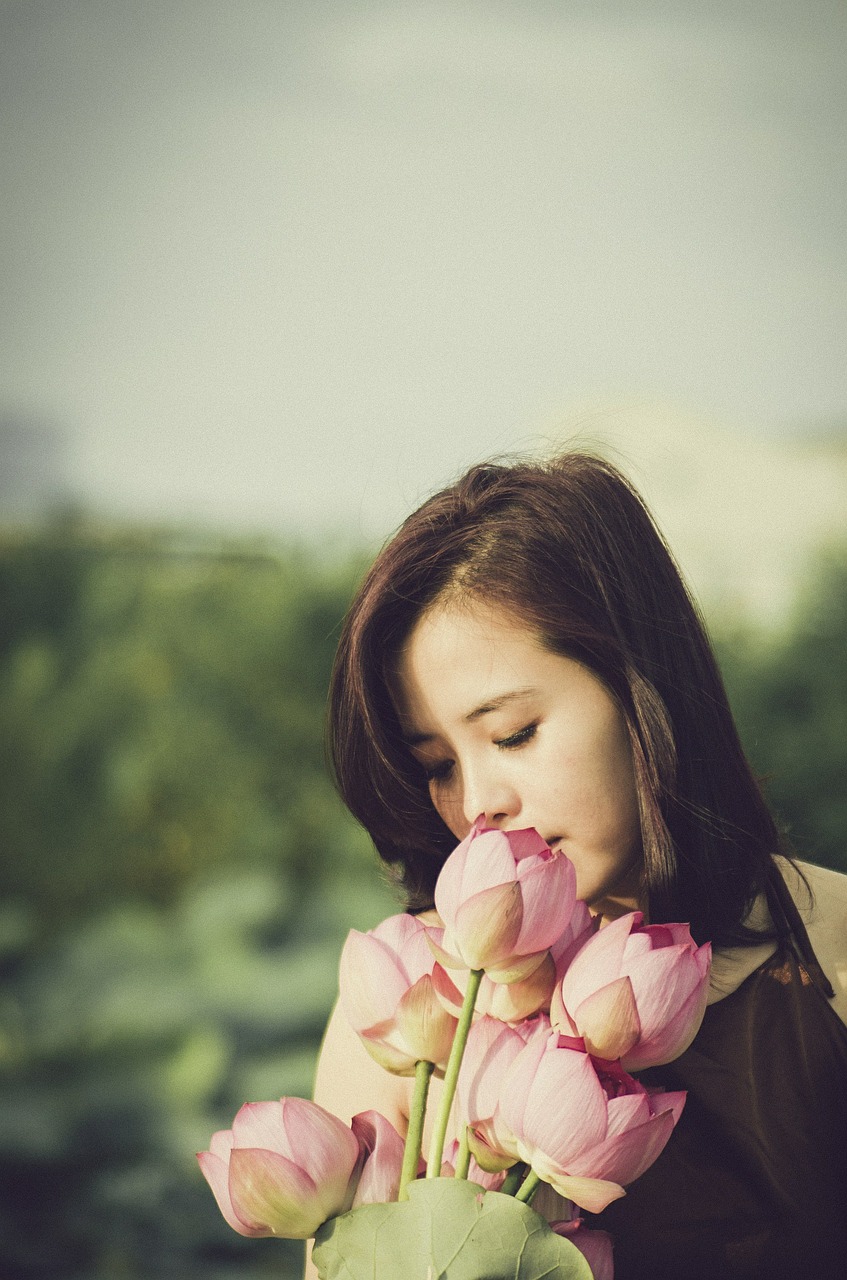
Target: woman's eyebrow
502 699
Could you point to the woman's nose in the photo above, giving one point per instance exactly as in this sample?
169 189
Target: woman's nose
490 795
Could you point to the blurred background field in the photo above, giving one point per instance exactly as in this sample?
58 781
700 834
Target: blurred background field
177 877
271 274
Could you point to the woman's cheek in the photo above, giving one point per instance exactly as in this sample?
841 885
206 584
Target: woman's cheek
448 808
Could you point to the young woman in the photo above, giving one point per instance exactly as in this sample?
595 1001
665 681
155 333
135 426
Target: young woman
525 649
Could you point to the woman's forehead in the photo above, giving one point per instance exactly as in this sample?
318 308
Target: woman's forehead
464 663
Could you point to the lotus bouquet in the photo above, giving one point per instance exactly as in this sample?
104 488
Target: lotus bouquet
533 1018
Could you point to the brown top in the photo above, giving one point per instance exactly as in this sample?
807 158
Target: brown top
753 1182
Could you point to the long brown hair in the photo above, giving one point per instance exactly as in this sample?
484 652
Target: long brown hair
570 547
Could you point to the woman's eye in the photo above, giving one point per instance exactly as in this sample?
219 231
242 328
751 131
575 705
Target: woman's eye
517 739
438 772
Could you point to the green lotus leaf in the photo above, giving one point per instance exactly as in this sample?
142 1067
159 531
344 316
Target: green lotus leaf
448 1229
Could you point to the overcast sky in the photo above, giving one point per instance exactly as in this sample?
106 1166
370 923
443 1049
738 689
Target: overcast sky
295 264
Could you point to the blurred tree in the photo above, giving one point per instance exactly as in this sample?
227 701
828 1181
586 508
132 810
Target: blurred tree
789 694
163 704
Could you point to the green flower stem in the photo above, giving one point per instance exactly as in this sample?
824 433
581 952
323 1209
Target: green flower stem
513 1179
414 1134
451 1075
463 1159
530 1185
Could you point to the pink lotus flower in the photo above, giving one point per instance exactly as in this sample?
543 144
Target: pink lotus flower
635 993
491 1048
382 1150
505 898
490 1181
581 926
387 994
283 1168
595 1246
515 1001
584 1135
508 1002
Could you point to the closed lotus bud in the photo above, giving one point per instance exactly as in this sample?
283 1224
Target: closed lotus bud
387 993
634 993
505 898
382 1149
595 1246
283 1168
586 1136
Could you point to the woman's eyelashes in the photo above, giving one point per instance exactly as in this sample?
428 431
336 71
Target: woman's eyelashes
517 739
440 771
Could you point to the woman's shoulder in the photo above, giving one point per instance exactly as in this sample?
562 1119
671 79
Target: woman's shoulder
828 888
821 898
348 1080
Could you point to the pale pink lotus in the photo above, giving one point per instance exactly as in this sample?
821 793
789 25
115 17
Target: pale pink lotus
588 1137
581 926
283 1168
387 994
505 897
508 1002
595 1246
635 993
382 1151
491 1048
515 1001
490 1181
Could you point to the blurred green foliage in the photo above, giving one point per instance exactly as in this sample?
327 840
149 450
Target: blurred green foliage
126 1042
177 878
788 689
177 874
163 703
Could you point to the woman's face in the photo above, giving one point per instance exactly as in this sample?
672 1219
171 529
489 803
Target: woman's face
524 737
